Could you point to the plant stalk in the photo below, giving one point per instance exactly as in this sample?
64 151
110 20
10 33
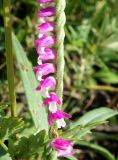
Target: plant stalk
9 56
60 34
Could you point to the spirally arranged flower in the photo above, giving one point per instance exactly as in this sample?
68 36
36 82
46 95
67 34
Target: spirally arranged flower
58 116
63 147
46 72
46 85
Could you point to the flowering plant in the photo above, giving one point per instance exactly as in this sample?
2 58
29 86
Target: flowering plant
52 135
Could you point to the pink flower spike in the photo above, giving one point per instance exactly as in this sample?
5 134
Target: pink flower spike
47 12
44 70
46 27
63 147
44 1
58 116
45 41
45 85
49 55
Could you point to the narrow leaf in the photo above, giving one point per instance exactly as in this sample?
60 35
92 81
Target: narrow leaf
107 76
70 157
95 116
101 150
34 99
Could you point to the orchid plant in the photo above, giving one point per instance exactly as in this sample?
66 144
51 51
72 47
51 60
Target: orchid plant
48 49
55 140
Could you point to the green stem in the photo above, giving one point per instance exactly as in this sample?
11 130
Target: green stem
9 56
60 34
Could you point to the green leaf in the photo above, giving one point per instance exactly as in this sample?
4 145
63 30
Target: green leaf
34 99
95 116
111 42
108 55
72 5
107 76
99 12
73 132
79 131
3 106
101 150
9 126
70 157
88 122
4 155
27 146
2 151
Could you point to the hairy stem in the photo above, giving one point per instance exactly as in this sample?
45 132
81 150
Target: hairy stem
60 34
9 56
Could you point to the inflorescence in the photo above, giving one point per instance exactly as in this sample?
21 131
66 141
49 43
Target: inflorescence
46 72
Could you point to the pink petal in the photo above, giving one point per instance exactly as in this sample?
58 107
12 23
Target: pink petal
57 115
47 12
47 56
46 27
45 41
46 51
60 114
44 1
53 98
46 68
63 147
50 120
47 82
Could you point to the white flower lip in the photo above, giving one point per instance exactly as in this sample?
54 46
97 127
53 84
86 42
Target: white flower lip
53 107
44 92
60 123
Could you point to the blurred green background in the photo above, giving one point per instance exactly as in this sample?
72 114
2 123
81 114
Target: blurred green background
91 68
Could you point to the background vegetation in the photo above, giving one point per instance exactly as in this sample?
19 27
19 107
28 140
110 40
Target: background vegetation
91 56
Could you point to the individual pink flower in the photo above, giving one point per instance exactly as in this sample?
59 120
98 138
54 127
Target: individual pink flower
45 41
43 50
44 1
63 147
52 101
46 27
49 54
44 70
40 50
45 85
47 12
58 116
